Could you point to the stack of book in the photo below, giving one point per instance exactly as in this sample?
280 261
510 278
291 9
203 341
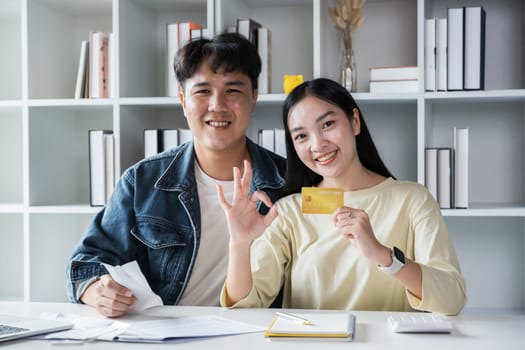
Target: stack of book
446 172
261 37
95 72
455 50
159 140
177 35
273 140
394 79
101 166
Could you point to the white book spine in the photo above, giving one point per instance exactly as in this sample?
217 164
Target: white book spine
430 54
474 48
97 165
431 182
109 156
81 72
264 44
185 135
151 142
455 36
461 168
445 173
172 45
441 53
170 139
267 139
280 142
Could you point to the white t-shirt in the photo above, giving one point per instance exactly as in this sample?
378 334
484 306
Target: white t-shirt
209 272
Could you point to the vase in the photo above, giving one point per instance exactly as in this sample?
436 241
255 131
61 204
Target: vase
348 70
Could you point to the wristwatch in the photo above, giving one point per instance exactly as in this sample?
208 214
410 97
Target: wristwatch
398 261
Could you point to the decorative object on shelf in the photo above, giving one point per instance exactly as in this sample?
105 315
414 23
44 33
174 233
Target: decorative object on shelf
346 15
291 81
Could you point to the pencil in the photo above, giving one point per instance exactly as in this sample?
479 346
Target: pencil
293 317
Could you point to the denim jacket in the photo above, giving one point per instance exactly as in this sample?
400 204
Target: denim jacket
153 216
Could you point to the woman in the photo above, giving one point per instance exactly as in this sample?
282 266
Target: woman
386 248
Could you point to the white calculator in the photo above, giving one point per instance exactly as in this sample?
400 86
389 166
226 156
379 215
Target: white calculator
424 323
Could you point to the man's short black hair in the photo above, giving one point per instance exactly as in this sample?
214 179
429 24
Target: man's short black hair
227 52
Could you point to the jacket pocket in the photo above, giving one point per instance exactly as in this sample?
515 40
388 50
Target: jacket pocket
158 233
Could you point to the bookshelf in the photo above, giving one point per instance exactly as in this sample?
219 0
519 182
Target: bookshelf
44 195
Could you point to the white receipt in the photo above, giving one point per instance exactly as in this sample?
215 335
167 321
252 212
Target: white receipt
130 276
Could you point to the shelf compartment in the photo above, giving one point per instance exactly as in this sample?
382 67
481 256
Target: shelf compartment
11 49
11 257
504 38
52 240
142 31
11 154
291 30
59 152
496 146
55 30
503 240
387 37
134 119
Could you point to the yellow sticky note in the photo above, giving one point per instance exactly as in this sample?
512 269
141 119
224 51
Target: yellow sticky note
318 200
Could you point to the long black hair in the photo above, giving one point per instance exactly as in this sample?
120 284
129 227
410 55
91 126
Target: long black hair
297 173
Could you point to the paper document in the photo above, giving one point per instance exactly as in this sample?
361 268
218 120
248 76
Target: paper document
85 328
130 276
185 327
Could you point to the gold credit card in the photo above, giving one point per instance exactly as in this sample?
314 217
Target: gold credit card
319 200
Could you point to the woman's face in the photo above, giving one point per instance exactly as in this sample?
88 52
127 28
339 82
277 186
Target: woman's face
324 138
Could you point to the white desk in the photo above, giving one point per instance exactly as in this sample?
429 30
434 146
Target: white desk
473 331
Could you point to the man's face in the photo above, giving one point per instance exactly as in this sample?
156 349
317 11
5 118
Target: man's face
218 107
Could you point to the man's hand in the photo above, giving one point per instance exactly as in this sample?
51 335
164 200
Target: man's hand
108 297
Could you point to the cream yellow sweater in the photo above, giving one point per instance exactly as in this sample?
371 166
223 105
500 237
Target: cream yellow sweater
322 270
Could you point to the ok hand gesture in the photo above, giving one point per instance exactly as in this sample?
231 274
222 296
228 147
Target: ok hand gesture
245 223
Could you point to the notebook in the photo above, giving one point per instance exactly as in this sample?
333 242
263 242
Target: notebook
329 325
16 327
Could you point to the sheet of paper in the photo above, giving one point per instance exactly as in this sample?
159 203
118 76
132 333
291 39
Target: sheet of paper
185 327
320 200
130 276
85 328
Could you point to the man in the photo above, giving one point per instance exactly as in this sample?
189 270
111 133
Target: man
164 211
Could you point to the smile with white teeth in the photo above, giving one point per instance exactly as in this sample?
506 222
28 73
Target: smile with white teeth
326 156
218 124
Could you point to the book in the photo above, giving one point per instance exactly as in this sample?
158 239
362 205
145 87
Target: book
249 28
431 182
110 79
474 48
97 166
264 48
445 158
280 142
81 71
430 54
461 172
109 167
394 73
170 138
172 45
455 53
185 30
152 142
327 325
394 86
185 135
441 54
267 139
98 45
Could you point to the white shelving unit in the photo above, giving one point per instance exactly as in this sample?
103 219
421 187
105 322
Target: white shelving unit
44 195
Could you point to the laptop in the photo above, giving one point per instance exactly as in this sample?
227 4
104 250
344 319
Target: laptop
16 327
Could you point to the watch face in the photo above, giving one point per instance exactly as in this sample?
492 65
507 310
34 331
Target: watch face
399 255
